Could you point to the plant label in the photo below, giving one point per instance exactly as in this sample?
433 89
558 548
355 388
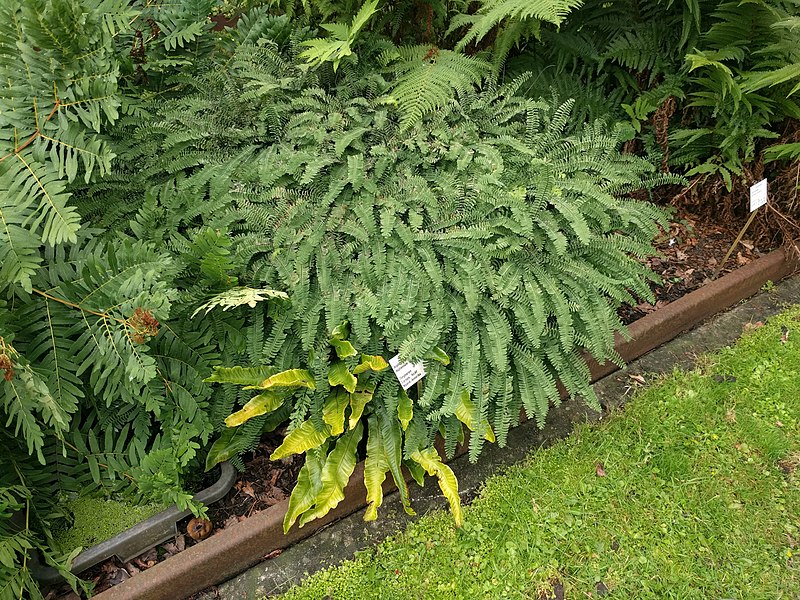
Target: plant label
758 195
407 373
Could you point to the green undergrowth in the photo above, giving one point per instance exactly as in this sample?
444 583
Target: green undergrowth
98 519
691 492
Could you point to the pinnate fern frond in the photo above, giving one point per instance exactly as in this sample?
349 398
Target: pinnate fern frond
428 77
493 12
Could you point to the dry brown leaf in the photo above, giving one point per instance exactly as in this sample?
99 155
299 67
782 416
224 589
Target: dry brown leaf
751 326
246 488
638 378
232 520
600 470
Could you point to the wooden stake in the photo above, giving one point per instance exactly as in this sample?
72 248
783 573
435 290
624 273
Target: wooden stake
735 243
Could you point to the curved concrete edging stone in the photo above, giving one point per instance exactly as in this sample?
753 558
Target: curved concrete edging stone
240 546
141 537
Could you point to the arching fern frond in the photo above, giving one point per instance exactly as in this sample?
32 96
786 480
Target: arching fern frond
428 77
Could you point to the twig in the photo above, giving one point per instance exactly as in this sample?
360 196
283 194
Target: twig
735 243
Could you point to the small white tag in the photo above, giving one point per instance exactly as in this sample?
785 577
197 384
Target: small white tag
758 195
407 373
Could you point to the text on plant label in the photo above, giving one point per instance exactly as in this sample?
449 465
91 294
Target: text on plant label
407 373
758 195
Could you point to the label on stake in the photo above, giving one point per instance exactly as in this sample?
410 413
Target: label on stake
407 373
758 195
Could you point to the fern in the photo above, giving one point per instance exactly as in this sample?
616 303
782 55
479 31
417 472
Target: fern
428 77
493 12
48 120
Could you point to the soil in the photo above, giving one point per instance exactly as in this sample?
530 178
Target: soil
690 252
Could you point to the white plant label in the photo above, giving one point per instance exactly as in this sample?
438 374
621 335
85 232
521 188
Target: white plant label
758 195
407 373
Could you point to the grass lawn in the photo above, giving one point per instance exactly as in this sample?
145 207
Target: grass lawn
690 492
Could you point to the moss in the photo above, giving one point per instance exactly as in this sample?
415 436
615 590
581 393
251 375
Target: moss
98 519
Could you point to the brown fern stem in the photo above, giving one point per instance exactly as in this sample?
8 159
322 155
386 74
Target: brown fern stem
34 135
76 306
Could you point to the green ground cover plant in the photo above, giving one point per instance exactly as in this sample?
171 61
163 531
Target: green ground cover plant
98 519
691 491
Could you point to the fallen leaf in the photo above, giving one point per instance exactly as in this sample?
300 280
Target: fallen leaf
274 479
246 488
638 378
751 326
741 259
146 559
748 244
600 470
273 554
180 542
232 520
680 255
601 588
132 569
784 334
730 416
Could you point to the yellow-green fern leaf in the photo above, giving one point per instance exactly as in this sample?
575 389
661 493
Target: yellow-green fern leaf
335 474
290 378
370 362
375 468
340 375
302 439
359 400
240 375
333 410
257 406
430 460
308 486
465 412
405 409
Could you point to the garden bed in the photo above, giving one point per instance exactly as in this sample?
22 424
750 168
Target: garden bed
690 253
234 547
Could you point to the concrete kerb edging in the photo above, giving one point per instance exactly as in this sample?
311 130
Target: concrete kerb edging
240 546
